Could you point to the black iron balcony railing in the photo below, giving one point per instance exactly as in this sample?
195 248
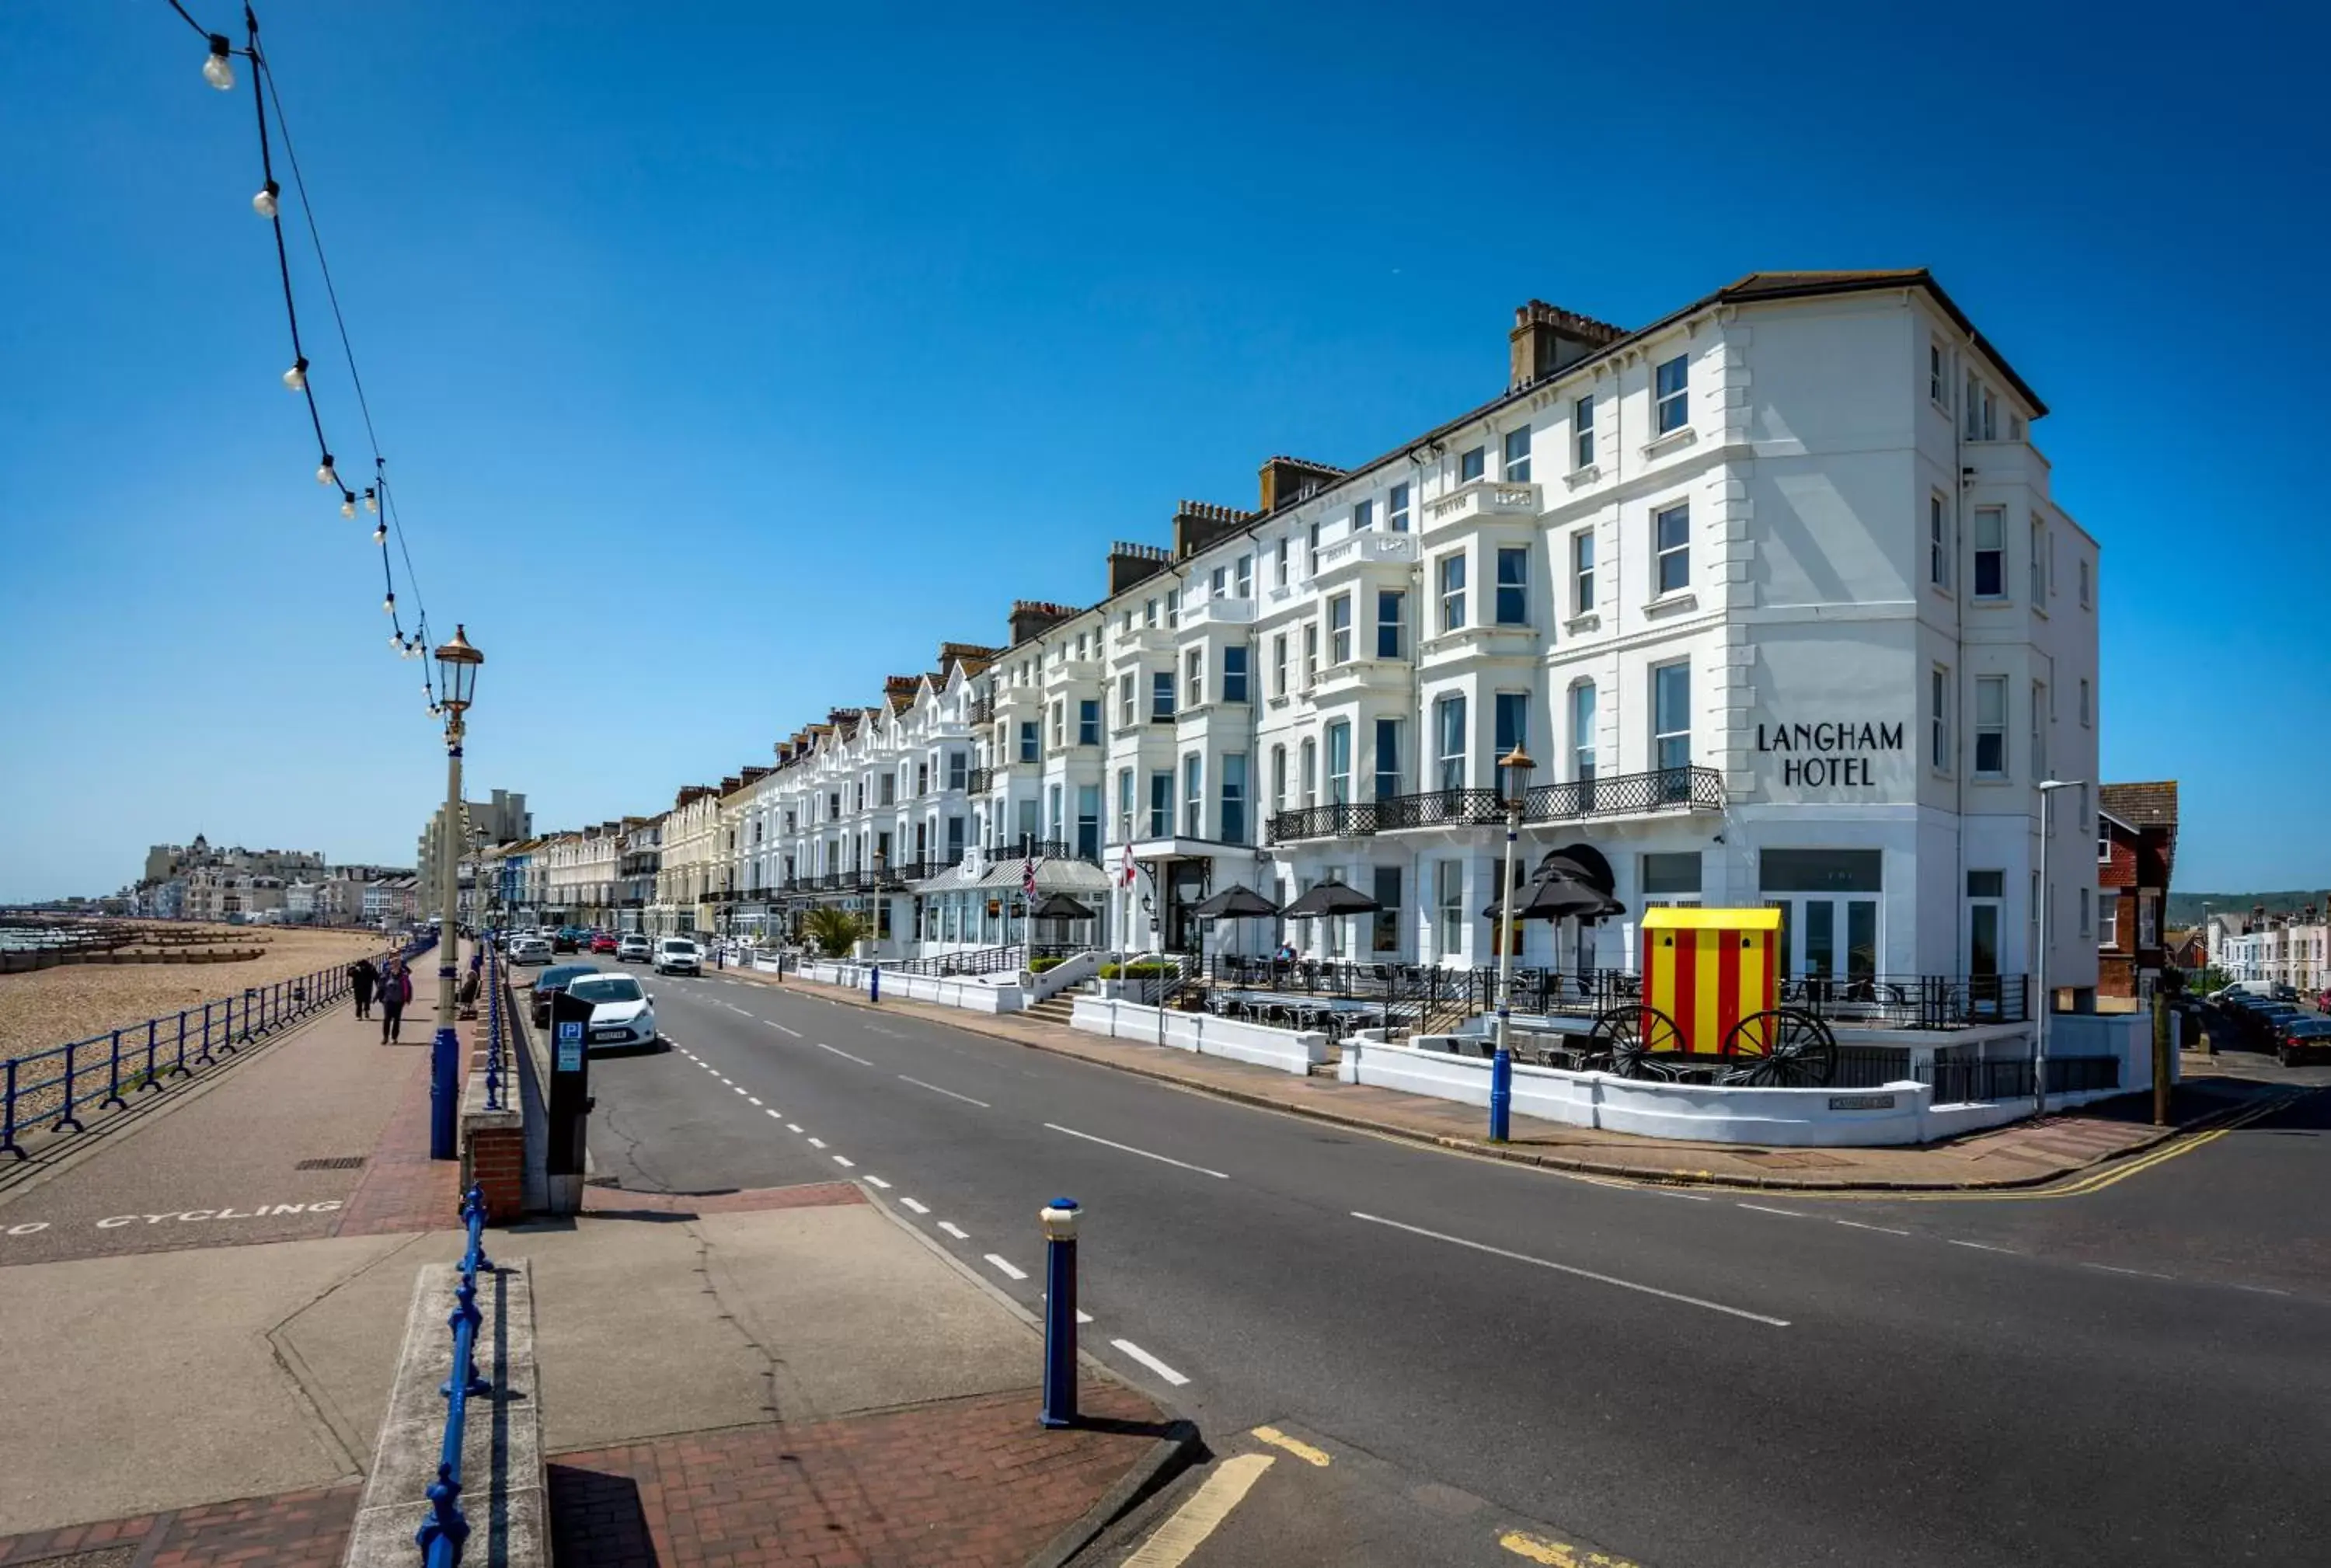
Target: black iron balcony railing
1671 789
1353 820
1039 849
979 779
982 709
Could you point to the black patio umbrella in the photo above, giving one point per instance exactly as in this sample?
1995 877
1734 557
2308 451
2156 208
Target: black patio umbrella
1235 902
1331 898
1060 907
1556 896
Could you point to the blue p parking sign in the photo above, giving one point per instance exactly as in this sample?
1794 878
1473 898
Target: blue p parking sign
570 1046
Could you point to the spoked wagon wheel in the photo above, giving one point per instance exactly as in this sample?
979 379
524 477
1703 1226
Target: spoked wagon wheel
1627 1039
1780 1049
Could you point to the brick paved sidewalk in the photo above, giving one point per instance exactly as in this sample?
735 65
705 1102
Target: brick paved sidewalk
293 1530
960 1482
2022 1155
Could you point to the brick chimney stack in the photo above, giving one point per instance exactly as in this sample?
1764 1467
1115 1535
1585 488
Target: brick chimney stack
1032 617
1547 338
1198 523
1129 564
1284 480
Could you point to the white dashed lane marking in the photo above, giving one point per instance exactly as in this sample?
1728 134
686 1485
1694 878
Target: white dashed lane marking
1885 1230
954 1229
1006 1269
876 1181
1144 1153
843 1054
1768 1209
818 1143
935 1089
845 1165
1576 1273
1149 1361
917 1206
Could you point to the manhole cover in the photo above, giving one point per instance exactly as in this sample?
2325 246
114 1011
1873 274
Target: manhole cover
336 1163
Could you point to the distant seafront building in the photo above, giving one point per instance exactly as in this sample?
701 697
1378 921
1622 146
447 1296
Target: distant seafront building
501 820
1773 589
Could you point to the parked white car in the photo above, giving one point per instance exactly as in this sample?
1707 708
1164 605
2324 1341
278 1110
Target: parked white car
678 955
633 947
620 1013
529 950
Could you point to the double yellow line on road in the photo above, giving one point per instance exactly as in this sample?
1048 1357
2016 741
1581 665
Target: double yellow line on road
2094 1181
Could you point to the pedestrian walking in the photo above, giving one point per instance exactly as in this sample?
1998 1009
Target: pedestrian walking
363 980
396 991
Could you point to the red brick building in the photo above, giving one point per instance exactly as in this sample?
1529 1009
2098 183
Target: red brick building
2137 850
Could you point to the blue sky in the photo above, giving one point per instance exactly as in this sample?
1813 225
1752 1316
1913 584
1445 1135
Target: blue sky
729 357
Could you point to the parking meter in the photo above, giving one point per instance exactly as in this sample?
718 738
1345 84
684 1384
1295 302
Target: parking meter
569 1100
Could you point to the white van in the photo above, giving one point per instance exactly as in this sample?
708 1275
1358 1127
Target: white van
678 955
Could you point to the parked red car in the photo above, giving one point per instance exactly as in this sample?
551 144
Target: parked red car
603 943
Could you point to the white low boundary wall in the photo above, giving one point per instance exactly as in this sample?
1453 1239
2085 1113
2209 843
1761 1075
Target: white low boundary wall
969 993
1892 1114
1288 1050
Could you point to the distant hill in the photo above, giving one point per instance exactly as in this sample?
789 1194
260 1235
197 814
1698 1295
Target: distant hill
2185 908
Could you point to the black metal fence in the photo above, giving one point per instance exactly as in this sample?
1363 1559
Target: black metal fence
1959 1078
1876 1002
1619 794
1911 1000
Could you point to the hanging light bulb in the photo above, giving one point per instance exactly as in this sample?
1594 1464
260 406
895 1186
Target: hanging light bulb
324 472
218 71
389 605
348 505
396 641
296 378
263 204
372 500
380 534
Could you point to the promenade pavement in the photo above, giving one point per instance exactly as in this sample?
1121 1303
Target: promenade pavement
2026 1153
784 1376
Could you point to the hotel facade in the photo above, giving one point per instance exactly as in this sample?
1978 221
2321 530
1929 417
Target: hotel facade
1773 591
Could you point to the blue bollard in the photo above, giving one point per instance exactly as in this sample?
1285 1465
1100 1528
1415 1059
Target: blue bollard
444 1094
1501 1094
1059 1219
874 984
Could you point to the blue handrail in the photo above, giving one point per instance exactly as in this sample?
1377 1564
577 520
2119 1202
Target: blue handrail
440 1534
494 981
65 1078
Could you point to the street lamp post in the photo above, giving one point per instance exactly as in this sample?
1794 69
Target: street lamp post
2048 787
1516 765
457 678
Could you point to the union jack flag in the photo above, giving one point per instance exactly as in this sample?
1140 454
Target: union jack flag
1028 876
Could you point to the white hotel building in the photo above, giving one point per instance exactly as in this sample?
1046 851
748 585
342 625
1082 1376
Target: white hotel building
1773 591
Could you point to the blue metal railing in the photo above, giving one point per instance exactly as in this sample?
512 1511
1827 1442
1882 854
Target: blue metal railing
495 979
56 1084
440 1534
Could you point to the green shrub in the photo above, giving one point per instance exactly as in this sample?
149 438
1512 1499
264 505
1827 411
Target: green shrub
835 931
1139 969
1050 961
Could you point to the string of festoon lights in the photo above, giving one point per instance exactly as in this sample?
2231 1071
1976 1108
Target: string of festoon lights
378 499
